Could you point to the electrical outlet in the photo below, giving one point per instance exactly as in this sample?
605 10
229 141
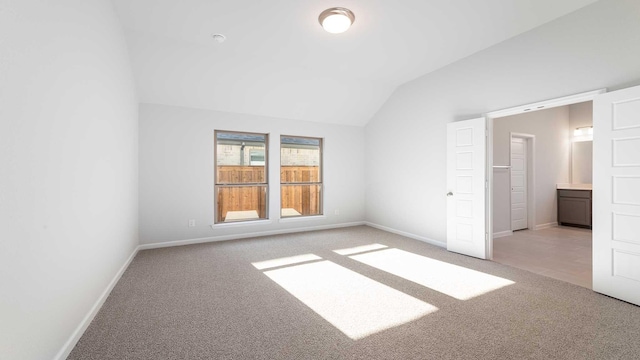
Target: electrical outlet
192 223
337 211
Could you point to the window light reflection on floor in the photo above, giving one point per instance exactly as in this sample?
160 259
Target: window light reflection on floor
453 280
355 304
268 264
359 249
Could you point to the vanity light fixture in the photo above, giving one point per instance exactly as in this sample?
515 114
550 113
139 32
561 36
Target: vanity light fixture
584 133
585 130
336 20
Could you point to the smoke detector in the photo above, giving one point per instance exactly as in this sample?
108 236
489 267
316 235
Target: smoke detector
219 38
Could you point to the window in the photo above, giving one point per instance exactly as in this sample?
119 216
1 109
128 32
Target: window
241 176
300 176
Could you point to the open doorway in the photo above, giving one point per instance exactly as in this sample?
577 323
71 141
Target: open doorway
542 191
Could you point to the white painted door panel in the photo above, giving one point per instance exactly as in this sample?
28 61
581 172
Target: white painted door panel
518 184
466 176
616 194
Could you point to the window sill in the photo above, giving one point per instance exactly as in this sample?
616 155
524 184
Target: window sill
301 218
240 223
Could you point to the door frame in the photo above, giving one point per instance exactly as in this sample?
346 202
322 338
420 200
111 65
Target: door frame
546 104
530 142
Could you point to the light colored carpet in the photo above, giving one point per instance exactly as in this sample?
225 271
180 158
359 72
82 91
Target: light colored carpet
208 301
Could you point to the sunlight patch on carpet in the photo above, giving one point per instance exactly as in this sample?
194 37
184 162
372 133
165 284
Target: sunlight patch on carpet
453 280
360 249
268 264
355 304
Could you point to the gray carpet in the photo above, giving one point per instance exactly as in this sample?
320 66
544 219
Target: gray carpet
208 301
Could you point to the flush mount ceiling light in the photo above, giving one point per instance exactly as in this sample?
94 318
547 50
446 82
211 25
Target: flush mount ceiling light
336 20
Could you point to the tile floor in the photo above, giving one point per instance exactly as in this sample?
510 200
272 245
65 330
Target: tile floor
562 252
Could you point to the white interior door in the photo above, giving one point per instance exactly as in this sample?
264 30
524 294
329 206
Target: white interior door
518 184
466 186
616 194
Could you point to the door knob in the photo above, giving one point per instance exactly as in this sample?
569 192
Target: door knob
449 193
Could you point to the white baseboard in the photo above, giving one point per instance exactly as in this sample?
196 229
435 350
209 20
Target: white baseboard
245 235
409 235
84 324
545 226
502 234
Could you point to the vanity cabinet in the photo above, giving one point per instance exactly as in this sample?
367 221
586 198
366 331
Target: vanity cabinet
574 208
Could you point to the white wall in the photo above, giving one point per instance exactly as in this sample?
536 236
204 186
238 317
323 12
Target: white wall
68 173
581 115
177 173
551 130
592 48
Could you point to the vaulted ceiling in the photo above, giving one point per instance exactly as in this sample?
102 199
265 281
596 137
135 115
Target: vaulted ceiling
277 61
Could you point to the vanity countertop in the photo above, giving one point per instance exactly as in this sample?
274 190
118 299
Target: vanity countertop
574 186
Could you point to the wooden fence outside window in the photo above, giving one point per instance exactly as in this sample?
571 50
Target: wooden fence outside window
304 198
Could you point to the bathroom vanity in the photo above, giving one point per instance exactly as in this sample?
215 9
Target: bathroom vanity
574 205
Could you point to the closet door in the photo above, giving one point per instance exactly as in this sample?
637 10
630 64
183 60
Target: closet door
518 184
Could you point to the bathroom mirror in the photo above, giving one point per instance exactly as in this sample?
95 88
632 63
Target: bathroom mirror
581 162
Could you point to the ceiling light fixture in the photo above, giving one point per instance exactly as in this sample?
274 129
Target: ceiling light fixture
336 20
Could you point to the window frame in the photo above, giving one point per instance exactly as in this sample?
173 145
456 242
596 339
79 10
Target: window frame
217 185
319 183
